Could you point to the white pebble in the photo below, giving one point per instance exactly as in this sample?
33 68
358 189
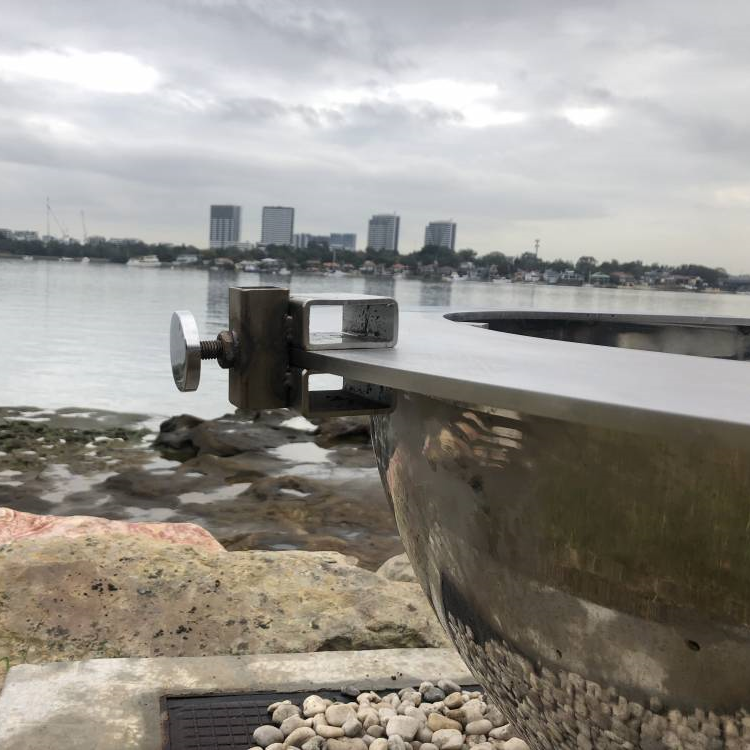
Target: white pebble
299 736
352 728
339 713
404 726
284 711
502 733
481 726
312 705
448 739
292 723
516 744
267 734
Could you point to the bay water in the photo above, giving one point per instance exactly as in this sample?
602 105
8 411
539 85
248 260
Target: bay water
96 335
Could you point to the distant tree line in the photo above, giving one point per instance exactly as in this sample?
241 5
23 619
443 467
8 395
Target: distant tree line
420 261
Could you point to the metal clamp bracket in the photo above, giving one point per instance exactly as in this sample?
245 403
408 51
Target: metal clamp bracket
266 327
353 399
367 322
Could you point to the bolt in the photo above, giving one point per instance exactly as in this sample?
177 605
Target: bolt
211 349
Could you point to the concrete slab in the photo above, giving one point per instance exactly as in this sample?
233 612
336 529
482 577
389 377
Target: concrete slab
113 704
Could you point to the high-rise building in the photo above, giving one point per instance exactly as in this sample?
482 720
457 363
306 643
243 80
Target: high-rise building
382 232
278 225
342 241
441 234
225 226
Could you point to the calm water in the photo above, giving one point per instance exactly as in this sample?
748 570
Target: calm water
94 335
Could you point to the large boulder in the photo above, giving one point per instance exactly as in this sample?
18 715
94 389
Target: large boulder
16 525
133 595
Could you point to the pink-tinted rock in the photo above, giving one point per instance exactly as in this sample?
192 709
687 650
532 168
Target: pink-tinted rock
15 525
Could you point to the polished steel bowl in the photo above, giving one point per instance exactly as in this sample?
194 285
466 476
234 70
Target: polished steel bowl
592 564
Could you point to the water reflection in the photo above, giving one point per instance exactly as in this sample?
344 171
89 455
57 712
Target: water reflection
435 294
217 299
383 286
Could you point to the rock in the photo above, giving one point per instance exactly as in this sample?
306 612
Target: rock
312 705
293 722
368 716
425 735
299 736
501 733
482 745
398 568
404 726
412 696
432 694
339 713
329 732
352 728
516 744
283 712
454 700
448 686
175 434
448 739
231 435
350 691
276 746
335 430
496 716
480 726
428 746
396 742
135 595
437 721
386 713
347 743
472 710
314 743
16 526
375 730
379 744
267 735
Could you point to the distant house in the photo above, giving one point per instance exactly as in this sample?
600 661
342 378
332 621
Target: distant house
621 278
368 267
550 276
600 279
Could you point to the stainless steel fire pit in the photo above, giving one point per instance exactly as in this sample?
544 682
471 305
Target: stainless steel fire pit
573 491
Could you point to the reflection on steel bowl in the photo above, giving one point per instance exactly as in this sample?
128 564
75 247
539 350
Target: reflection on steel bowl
596 579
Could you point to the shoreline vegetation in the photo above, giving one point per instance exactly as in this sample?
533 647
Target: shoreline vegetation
430 263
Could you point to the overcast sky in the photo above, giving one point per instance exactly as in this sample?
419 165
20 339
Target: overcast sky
617 129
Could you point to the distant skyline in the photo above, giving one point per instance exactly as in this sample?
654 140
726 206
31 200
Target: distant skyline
616 130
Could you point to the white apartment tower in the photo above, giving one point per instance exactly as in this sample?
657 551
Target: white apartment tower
278 225
382 232
225 227
441 234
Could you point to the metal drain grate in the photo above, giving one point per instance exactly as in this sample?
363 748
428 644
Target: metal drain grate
222 722
227 722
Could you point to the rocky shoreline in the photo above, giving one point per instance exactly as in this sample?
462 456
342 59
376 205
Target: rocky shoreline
277 482
199 537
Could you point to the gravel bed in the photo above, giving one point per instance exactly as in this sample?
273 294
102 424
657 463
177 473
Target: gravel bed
440 716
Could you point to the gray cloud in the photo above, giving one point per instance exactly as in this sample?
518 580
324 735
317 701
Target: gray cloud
612 130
